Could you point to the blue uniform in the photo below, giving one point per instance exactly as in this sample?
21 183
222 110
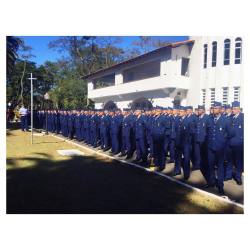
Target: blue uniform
77 125
217 136
167 140
105 131
149 126
173 120
71 128
200 145
161 130
236 143
127 135
86 126
82 117
183 146
50 122
116 122
192 120
140 137
228 160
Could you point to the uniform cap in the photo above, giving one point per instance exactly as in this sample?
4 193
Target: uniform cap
201 107
217 104
235 104
227 106
182 108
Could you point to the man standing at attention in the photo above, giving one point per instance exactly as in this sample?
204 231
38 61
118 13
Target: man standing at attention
24 118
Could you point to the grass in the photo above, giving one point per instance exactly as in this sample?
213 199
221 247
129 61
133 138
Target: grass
39 180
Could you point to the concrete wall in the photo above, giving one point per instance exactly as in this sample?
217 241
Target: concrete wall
171 80
214 77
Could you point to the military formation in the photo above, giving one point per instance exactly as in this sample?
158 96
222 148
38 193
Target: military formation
192 140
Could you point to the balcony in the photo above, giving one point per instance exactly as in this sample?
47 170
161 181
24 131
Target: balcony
150 84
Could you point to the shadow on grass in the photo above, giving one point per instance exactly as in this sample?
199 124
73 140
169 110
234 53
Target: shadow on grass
90 185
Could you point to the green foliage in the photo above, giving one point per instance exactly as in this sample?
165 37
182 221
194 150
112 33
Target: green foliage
12 44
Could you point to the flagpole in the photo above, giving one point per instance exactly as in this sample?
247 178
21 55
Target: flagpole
31 93
31 109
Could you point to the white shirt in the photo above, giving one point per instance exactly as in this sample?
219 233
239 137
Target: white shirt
23 111
236 115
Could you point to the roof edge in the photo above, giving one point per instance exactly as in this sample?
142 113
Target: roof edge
172 45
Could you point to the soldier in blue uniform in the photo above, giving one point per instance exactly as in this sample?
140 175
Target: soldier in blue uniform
116 122
166 113
61 122
178 140
192 120
130 135
200 145
58 123
183 144
50 122
82 117
54 121
43 119
237 140
140 137
95 129
125 124
66 123
228 153
217 135
86 126
71 128
174 121
150 118
77 125
105 131
161 130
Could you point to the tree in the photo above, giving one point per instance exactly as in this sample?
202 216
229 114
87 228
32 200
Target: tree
13 44
111 53
146 44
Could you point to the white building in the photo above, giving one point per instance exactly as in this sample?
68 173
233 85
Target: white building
197 71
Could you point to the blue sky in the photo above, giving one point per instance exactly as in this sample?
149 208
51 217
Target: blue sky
42 53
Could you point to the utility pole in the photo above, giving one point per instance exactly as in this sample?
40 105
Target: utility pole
31 111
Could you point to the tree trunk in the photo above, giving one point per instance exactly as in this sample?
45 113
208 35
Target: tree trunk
21 94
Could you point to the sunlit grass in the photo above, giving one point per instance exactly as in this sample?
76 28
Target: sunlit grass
22 154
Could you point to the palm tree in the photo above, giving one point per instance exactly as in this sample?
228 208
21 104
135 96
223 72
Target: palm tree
13 44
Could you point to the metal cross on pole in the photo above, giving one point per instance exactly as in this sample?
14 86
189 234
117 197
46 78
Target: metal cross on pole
31 109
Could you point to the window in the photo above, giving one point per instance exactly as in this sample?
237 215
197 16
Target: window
212 97
130 76
227 52
105 81
184 66
214 54
142 71
238 42
203 92
225 95
205 56
236 93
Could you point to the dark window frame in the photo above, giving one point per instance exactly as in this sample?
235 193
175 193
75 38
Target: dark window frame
205 48
214 54
238 48
227 46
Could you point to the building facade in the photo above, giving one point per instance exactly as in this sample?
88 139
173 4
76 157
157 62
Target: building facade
197 71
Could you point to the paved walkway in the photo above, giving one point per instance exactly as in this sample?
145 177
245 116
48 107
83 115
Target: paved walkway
233 191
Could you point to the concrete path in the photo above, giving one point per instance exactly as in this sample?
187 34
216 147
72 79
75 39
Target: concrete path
233 191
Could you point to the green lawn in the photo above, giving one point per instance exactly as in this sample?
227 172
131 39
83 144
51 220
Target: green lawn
39 180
